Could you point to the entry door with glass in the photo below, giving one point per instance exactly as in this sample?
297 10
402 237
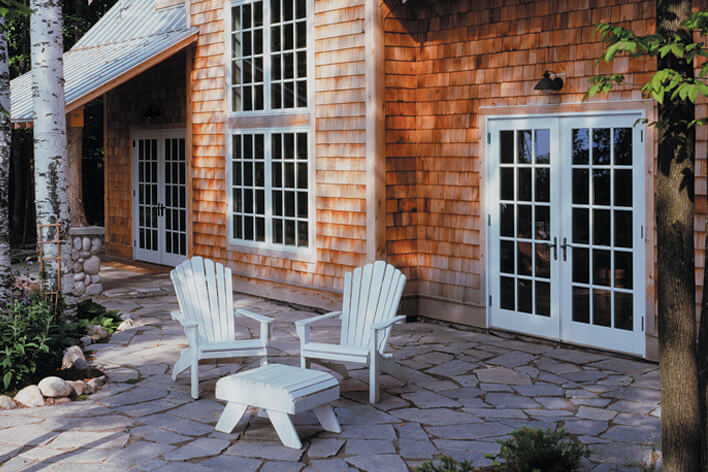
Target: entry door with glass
565 234
160 197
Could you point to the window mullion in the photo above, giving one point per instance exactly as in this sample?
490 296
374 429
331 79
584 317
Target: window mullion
266 55
268 188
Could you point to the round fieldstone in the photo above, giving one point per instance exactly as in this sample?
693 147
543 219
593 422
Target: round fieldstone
30 396
86 341
77 267
79 288
79 276
127 324
78 386
54 387
7 403
95 279
92 265
94 289
72 355
86 243
74 254
78 244
85 254
95 245
97 332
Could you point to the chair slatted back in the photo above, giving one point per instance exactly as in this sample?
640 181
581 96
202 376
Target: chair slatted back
371 294
205 294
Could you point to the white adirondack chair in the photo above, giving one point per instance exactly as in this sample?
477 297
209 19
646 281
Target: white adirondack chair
371 297
205 294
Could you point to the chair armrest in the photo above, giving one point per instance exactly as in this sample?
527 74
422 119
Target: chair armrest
190 329
314 319
302 327
254 316
388 323
263 320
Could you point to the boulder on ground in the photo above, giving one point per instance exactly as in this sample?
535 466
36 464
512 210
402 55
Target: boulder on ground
7 403
97 333
30 396
55 387
74 357
78 386
127 324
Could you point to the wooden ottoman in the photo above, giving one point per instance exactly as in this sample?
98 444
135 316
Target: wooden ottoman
281 390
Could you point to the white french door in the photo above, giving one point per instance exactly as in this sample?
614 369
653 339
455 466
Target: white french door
160 197
565 229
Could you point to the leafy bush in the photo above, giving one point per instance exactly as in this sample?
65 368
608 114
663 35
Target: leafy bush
446 464
30 340
33 338
533 450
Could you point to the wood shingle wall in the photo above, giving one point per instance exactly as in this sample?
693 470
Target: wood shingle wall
338 157
446 61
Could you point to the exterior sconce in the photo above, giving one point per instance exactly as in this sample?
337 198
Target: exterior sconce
548 84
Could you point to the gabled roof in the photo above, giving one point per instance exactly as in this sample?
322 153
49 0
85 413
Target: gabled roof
130 38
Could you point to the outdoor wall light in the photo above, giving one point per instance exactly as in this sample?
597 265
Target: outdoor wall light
548 84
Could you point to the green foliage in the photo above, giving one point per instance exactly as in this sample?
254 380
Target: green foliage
446 464
33 338
665 83
540 450
30 341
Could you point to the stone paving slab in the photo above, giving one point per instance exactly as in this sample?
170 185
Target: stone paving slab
467 390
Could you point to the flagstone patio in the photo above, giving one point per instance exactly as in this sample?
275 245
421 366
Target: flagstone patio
469 389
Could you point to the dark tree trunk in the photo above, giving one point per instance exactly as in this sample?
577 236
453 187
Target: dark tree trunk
680 418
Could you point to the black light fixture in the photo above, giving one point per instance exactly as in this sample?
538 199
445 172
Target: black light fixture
548 84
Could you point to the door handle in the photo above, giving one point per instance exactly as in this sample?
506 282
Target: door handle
554 245
564 247
160 209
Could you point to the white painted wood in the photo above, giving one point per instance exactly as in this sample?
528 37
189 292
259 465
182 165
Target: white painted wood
372 294
281 391
205 294
285 429
328 420
232 414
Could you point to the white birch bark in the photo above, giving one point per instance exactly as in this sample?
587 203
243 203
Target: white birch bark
50 161
5 136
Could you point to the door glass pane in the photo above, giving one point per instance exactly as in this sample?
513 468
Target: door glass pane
506 211
601 146
542 142
507 184
581 305
601 186
523 224
507 293
623 187
506 139
623 269
580 186
581 146
525 295
524 148
601 227
506 259
581 226
524 182
524 258
543 222
601 267
623 146
542 256
601 307
581 265
543 184
624 311
543 298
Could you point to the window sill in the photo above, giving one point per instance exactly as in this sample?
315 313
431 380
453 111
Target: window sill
296 254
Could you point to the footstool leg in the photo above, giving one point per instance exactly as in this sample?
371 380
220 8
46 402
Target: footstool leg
328 420
233 412
285 429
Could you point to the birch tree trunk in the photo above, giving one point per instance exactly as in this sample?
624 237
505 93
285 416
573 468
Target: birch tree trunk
50 169
5 136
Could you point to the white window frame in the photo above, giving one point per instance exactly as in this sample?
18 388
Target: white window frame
267 110
281 249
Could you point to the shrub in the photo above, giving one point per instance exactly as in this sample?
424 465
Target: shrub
30 340
532 450
33 339
446 464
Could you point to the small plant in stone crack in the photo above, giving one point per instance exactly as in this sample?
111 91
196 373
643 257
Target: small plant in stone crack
445 464
539 450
